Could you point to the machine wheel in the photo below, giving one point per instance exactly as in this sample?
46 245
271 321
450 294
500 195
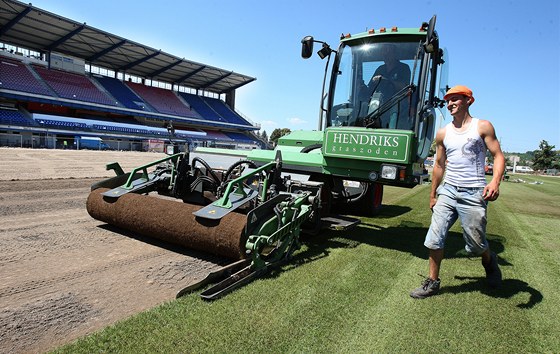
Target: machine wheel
370 204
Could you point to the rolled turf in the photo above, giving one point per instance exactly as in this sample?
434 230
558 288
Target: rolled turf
170 221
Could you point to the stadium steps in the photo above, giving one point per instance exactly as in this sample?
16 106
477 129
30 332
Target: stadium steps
224 111
199 105
124 94
105 91
163 100
187 104
41 81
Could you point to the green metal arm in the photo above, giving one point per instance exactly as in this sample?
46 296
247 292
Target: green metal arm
224 201
144 169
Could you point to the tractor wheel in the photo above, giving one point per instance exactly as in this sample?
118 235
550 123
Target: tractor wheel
370 204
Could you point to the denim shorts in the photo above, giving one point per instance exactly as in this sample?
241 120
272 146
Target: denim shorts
469 206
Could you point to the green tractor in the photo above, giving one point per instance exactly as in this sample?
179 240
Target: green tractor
376 127
377 118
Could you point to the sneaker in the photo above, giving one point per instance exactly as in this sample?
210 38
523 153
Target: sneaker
493 272
429 287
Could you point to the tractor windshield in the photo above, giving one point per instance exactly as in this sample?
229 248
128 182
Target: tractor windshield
373 85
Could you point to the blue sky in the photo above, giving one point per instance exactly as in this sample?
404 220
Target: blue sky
506 51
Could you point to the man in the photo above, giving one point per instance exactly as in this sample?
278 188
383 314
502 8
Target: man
393 70
461 150
388 79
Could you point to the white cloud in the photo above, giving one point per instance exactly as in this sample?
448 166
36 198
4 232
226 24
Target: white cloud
296 121
268 125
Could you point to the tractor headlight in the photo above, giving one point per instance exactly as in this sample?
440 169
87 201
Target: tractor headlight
388 172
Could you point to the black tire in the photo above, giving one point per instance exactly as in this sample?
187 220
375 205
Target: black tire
371 203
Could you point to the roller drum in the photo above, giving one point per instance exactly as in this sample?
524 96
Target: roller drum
171 221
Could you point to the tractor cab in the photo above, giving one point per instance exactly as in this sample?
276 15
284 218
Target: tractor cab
386 79
373 85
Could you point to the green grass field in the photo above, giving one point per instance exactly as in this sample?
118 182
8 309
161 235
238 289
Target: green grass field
349 291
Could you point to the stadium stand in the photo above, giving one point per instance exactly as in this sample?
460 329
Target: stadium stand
198 104
120 129
15 75
164 101
66 84
56 83
14 117
122 93
102 126
73 86
224 111
56 123
239 137
45 100
216 135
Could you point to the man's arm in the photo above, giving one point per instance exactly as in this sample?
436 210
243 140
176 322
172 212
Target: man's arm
486 130
404 76
376 76
439 166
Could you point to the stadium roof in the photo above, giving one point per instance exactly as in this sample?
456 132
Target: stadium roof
27 26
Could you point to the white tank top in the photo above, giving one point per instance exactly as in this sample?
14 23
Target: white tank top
466 154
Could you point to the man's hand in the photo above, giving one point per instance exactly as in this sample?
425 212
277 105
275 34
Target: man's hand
433 201
491 192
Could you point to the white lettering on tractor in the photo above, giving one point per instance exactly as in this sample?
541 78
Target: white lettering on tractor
363 144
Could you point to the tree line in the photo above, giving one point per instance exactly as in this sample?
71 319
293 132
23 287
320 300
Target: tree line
276 134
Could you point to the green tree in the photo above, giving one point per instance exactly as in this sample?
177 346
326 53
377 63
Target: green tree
432 148
546 157
278 133
527 158
264 136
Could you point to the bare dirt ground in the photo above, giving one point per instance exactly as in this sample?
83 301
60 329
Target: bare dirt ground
63 274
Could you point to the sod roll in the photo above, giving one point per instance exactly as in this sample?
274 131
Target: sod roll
170 221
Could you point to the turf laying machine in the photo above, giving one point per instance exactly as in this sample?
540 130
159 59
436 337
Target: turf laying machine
376 126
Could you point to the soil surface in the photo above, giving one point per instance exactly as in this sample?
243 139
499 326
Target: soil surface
63 274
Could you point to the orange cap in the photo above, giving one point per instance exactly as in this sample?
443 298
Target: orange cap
461 90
